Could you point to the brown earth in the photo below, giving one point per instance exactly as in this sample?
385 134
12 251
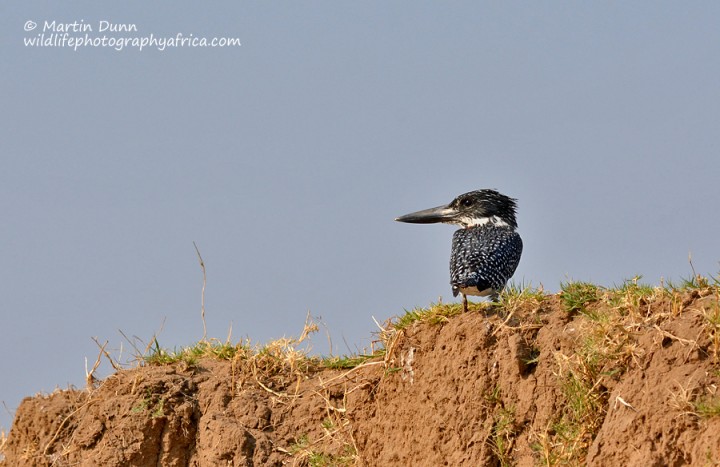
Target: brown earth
469 391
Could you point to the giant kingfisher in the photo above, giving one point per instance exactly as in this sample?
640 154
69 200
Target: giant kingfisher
486 250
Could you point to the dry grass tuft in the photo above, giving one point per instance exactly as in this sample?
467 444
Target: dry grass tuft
3 442
711 324
693 400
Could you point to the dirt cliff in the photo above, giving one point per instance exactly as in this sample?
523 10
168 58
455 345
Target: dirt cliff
627 376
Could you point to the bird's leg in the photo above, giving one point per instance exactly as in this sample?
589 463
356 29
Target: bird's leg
495 297
465 305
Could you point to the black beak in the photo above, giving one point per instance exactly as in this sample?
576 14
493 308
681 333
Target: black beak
430 216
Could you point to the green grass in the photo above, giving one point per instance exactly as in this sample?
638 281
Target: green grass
533 357
692 282
707 407
503 432
712 327
305 453
521 292
503 436
272 357
436 313
494 397
190 355
585 406
632 297
153 403
440 313
321 459
348 362
636 290
301 443
576 296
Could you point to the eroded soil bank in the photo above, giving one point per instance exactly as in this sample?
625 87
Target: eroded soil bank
536 381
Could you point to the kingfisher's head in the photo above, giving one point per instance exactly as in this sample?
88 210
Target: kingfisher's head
470 209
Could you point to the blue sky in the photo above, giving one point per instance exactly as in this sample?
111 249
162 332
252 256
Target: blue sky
286 160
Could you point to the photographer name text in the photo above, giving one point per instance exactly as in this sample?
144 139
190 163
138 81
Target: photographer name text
82 26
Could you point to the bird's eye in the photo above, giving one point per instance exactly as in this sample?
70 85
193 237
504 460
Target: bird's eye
466 202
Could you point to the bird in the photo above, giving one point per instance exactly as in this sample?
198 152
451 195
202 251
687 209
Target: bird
486 249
